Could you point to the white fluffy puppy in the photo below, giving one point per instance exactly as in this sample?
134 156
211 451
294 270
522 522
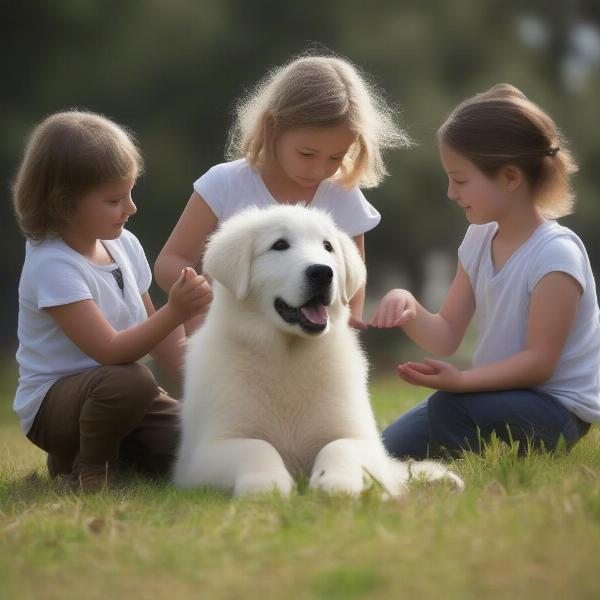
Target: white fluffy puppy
275 380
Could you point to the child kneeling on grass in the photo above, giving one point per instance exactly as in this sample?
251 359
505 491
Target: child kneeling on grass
85 315
527 280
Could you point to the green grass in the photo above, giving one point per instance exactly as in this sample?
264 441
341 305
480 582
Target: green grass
524 528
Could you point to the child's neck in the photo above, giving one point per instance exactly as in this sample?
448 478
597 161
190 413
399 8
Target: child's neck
518 225
514 229
92 249
283 189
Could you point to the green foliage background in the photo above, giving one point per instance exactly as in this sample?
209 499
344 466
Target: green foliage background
171 71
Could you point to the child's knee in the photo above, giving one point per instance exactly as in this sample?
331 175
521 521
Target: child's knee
131 385
439 405
139 384
446 416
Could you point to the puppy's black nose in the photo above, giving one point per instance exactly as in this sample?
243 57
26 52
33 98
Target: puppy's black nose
319 275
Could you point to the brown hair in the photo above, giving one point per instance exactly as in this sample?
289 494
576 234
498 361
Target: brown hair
500 127
68 154
321 91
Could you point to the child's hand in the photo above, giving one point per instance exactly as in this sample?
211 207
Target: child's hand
396 308
190 295
434 374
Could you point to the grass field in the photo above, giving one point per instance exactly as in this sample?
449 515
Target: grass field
524 528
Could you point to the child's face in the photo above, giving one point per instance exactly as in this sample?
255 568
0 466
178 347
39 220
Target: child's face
484 199
103 211
308 155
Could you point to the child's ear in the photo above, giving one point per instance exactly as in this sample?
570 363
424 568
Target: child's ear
512 177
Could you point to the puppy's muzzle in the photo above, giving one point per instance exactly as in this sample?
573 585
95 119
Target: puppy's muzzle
312 315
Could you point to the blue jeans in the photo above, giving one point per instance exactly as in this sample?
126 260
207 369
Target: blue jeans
446 424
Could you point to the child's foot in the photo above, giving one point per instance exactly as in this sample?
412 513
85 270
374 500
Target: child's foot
91 477
58 465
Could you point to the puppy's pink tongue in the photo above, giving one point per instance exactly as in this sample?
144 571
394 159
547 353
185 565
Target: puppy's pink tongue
315 314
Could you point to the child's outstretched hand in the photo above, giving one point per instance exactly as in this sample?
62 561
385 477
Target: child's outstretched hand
435 374
396 308
190 295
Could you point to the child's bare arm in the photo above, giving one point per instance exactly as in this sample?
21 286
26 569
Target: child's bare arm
185 246
170 352
439 333
552 312
88 328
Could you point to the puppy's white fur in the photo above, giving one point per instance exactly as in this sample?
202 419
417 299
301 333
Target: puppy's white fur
266 401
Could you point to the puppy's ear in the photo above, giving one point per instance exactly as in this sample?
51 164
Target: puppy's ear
228 258
355 272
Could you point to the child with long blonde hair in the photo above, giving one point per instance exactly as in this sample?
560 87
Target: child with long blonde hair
527 280
311 133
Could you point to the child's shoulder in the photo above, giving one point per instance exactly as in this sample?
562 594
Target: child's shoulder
557 240
49 259
477 235
232 168
557 231
351 211
554 247
48 250
226 178
331 191
552 234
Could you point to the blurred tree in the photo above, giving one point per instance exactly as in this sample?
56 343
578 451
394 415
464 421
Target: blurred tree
172 71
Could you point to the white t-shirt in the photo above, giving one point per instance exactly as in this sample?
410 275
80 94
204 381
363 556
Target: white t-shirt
502 306
230 187
54 274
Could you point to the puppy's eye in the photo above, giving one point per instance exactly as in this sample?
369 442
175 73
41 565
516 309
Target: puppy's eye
327 245
280 245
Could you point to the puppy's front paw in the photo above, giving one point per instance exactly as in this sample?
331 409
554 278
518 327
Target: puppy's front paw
263 483
335 482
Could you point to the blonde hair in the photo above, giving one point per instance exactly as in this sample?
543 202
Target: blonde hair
317 91
500 127
68 154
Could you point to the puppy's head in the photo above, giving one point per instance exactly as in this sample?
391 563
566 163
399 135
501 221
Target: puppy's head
290 263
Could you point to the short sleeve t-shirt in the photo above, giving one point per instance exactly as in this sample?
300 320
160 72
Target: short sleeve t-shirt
54 274
230 187
502 308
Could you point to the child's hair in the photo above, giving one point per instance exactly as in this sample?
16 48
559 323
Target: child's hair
500 127
318 91
67 155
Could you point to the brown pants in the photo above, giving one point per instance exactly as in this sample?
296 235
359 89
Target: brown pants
108 414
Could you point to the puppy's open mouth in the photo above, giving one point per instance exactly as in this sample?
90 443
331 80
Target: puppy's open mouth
311 316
